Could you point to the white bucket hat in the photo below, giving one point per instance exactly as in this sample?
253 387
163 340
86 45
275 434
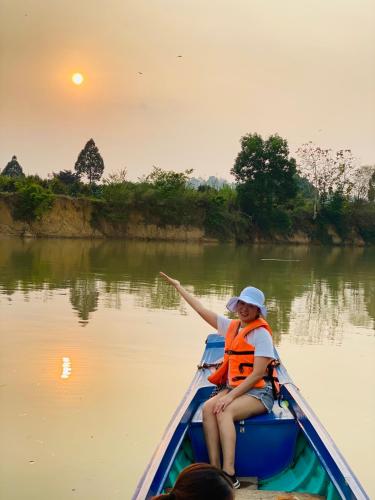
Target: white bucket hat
250 295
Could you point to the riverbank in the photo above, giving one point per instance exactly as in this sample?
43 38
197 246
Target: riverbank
69 217
78 218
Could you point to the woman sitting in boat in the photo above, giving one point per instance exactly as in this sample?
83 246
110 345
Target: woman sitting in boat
246 379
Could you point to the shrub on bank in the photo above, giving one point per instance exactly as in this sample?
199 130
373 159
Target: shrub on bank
214 209
363 219
8 184
222 216
336 212
156 205
32 201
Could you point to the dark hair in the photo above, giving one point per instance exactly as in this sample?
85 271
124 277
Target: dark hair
200 482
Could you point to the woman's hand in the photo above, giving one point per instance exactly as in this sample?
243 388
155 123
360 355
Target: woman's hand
170 280
222 403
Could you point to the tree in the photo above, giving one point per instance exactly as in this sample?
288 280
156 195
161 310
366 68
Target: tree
168 180
90 162
362 180
371 188
13 168
66 182
33 201
346 170
67 177
329 173
266 176
117 177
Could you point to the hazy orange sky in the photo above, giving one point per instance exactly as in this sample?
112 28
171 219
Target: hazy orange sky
302 68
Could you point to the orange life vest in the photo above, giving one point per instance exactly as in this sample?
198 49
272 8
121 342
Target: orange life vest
239 356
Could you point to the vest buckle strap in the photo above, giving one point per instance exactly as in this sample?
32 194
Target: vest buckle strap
205 366
238 353
234 379
241 365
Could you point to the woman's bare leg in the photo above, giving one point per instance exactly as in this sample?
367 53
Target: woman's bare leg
211 429
242 407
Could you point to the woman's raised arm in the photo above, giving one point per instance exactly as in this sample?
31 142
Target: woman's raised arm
206 314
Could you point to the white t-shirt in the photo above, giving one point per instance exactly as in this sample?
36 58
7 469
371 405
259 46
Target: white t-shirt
259 338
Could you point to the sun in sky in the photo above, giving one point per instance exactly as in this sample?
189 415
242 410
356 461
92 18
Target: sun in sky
77 78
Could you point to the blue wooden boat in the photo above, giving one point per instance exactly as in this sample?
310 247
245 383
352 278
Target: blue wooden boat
287 450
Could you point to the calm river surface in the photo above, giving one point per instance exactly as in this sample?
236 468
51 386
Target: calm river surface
96 351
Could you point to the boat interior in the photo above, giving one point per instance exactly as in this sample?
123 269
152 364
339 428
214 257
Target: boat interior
273 458
282 455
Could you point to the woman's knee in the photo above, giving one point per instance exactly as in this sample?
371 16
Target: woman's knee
208 409
209 405
224 416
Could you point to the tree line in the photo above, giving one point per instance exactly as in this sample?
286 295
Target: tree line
273 192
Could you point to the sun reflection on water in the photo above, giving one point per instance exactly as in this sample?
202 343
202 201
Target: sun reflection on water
66 367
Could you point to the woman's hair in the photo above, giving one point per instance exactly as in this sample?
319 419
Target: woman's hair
200 482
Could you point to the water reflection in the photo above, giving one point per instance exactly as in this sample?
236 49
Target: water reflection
66 367
84 297
321 315
311 291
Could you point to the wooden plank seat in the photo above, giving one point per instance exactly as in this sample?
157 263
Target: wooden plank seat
250 494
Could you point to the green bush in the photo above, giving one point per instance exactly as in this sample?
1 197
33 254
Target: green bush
301 218
32 201
115 198
159 204
280 221
363 219
168 180
170 208
336 211
8 184
58 187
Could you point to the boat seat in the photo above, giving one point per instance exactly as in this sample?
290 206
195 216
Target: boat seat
265 444
243 494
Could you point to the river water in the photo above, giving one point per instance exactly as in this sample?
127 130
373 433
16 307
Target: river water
96 351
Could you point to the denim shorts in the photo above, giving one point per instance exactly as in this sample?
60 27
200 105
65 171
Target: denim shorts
264 394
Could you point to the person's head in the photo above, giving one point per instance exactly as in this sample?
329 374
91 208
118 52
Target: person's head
249 305
200 482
